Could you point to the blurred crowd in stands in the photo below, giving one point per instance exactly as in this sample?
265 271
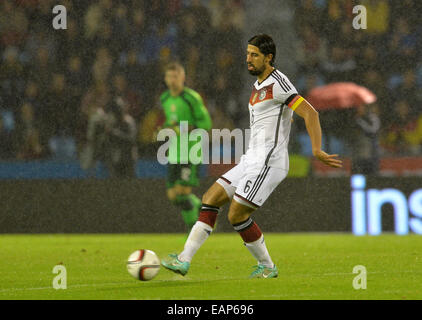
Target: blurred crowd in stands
386 58
54 82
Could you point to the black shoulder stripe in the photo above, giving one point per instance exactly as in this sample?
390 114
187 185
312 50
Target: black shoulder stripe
281 85
285 82
289 99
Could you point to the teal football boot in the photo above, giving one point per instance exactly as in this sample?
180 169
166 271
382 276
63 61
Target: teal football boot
174 264
262 271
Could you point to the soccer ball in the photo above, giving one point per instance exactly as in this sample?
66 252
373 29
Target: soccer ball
143 264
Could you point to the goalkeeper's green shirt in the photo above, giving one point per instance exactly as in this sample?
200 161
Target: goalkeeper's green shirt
187 106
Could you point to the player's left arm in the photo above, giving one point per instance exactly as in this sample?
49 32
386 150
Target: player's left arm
304 109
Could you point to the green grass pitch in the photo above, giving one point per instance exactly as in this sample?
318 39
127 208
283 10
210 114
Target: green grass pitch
311 266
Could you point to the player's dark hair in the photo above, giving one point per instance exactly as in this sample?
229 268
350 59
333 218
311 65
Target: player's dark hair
265 44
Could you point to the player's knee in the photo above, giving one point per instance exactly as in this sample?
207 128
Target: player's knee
206 198
235 217
238 213
210 199
215 196
230 217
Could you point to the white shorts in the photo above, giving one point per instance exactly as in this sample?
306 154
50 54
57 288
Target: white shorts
251 184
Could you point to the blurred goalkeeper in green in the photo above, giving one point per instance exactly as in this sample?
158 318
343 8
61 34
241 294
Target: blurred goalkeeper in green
182 105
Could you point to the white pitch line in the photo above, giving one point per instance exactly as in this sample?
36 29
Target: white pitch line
85 285
176 278
69 286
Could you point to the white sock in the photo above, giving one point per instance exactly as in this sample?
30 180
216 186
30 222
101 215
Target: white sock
197 236
260 252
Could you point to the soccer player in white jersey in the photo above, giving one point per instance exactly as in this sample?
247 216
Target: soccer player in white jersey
261 169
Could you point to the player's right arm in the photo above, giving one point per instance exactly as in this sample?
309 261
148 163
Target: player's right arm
304 109
202 118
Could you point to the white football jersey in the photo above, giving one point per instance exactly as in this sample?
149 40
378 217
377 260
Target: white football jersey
271 107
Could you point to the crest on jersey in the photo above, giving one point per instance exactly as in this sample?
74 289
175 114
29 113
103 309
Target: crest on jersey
261 95
173 108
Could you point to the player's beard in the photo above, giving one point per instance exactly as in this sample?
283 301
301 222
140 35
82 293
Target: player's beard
256 72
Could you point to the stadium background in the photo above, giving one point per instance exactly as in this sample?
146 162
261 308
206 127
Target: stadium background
53 81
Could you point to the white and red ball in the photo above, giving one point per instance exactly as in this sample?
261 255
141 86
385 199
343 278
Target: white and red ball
143 264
